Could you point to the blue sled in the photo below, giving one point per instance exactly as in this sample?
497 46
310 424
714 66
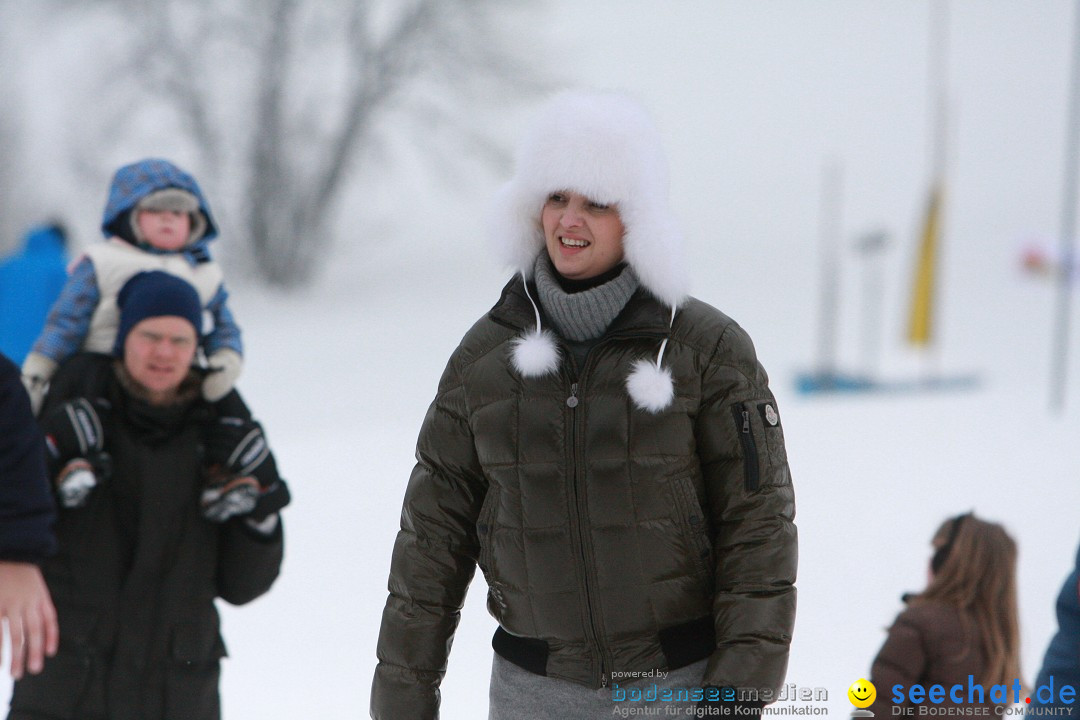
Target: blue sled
839 383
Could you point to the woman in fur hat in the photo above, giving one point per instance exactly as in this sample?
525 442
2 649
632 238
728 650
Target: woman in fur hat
606 449
156 218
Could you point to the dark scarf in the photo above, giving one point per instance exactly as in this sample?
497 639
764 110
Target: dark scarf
156 423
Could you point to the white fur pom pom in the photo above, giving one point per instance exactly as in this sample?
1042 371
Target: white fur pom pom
650 386
535 354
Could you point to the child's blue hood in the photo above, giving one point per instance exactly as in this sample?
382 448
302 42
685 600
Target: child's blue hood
133 182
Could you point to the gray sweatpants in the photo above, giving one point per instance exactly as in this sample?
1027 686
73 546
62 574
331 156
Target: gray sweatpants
517 694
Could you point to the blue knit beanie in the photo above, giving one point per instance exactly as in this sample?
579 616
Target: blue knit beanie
155 294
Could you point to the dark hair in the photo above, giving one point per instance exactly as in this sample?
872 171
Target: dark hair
942 553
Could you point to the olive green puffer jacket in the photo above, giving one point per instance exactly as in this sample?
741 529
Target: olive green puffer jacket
612 539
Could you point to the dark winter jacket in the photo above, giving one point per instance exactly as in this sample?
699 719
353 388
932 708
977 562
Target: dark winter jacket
27 511
612 539
1062 660
139 568
929 644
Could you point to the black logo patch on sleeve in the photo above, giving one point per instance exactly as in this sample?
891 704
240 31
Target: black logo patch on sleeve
769 416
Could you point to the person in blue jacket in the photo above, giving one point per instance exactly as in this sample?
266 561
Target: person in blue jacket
27 514
1061 665
30 282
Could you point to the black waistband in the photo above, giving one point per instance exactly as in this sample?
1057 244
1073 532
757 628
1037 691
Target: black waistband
682 645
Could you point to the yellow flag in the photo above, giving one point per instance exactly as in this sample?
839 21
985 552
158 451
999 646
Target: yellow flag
920 325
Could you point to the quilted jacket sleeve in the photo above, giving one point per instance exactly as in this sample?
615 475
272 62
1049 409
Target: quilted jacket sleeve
434 558
901 660
741 449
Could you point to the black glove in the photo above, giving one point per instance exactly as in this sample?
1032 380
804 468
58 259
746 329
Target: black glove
75 444
241 478
239 447
75 429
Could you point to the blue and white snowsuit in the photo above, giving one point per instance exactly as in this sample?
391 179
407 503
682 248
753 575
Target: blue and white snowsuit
85 316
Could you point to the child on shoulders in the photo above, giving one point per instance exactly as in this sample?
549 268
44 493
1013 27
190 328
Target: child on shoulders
156 218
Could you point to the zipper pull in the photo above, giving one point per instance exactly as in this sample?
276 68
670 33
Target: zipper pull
572 401
746 421
603 679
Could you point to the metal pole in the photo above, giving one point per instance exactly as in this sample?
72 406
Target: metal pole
938 86
870 247
938 101
831 190
1060 352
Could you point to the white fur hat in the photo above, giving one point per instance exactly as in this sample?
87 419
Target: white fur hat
605 146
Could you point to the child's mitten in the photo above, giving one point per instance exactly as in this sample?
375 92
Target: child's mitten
37 371
224 366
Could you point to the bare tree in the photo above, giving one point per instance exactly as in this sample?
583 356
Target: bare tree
9 161
281 97
8 173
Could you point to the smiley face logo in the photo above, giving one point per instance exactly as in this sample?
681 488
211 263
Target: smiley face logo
862 693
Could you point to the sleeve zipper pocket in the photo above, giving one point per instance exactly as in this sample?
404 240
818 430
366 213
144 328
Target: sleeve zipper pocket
749 446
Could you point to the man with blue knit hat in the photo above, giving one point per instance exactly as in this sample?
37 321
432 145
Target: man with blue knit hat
160 320
156 339
167 501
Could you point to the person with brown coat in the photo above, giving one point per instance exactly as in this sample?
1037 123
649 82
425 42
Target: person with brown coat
961 632
605 448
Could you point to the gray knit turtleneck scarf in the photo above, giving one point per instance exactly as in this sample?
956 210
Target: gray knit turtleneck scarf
584 315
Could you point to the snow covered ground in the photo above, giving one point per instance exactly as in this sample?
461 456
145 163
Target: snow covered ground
755 99
873 477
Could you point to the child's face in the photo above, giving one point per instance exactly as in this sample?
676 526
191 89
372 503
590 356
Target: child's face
165 229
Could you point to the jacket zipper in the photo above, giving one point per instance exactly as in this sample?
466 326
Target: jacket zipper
572 402
749 446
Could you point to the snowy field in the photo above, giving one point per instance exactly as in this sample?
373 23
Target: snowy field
755 98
